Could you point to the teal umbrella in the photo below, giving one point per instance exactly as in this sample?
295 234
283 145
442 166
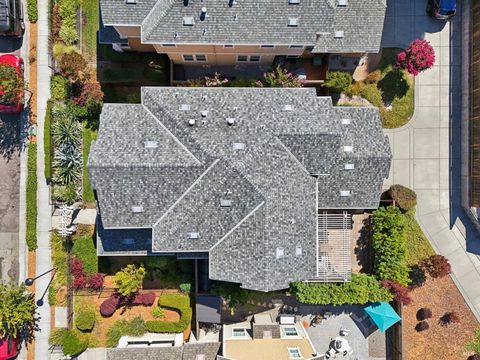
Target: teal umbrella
382 315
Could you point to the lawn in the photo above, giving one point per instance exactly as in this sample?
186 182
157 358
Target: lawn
90 24
418 246
88 136
393 93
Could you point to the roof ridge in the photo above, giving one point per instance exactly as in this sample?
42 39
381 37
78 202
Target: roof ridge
149 24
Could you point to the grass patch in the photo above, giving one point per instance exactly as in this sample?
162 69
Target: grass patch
88 136
84 249
31 231
90 11
111 55
418 246
122 75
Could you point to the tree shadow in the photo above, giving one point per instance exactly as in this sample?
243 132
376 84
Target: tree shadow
10 126
393 85
363 249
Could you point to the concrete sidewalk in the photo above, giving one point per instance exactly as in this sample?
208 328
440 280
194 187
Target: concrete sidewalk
43 257
426 152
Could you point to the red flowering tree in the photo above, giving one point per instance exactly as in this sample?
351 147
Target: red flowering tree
417 57
401 293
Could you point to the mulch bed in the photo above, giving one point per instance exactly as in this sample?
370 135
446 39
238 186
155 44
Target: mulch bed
438 342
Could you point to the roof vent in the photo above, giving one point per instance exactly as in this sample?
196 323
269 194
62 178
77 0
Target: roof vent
298 251
280 252
137 209
342 2
131 2
204 113
231 3
184 107
203 14
128 241
226 203
238 146
188 21
338 34
345 121
349 166
235 17
191 122
348 148
193 235
150 144
294 2
292 22
288 107
205 31
345 193
230 121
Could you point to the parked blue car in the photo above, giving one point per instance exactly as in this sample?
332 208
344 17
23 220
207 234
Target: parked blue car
441 9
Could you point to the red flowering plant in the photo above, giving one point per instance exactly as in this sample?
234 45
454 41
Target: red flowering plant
90 92
400 293
419 56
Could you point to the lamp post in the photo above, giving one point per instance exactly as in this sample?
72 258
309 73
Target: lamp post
30 281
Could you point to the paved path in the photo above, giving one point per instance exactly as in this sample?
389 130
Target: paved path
43 259
426 152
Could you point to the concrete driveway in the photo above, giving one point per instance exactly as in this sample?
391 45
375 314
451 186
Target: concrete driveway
9 179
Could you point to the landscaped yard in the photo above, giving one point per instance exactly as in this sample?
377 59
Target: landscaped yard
90 24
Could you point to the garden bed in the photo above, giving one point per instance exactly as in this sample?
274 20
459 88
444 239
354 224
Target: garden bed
438 342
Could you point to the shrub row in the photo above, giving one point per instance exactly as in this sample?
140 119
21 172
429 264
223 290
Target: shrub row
361 289
31 231
388 243
177 302
84 249
32 11
72 343
85 320
47 140
111 304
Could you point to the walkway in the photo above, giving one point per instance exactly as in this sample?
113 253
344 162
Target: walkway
426 152
43 260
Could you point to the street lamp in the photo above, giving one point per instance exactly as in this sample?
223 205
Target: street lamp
30 281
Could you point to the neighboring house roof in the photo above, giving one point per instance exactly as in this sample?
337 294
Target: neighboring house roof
208 309
318 23
284 152
188 351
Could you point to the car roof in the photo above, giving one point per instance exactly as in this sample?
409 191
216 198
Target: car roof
448 4
4 15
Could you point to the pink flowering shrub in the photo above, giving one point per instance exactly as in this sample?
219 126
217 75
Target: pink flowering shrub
89 92
95 281
418 57
146 299
279 78
109 306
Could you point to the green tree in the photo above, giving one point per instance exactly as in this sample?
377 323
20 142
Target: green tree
10 84
388 242
338 80
280 77
129 280
17 310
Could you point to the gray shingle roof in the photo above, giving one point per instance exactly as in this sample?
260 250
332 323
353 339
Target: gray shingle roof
188 351
256 22
263 164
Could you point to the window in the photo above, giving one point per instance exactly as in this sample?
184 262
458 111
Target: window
169 45
296 46
239 332
290 331
188 58
254 58
242 58
294 353
267 46
201 57
228 46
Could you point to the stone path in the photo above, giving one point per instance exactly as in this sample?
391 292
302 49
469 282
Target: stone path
426 152
43 257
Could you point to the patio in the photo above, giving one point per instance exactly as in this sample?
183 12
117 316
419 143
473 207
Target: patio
364 338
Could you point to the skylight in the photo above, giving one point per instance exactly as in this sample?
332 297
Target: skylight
149 144
349 166
280 252
292 22
345 121
338 34
188 21
348 148
288 107
137 209
345 193
184 107
193 235
225 203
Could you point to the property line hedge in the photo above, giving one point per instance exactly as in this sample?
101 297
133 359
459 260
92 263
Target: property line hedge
32 10
361 289
84 249
47 140
31 231
177 302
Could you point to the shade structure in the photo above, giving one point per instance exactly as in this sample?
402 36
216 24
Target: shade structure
383 315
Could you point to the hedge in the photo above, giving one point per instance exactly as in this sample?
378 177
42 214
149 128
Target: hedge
389 246
84 249
72 344
32 10
361 289
31 231
58 87
85 320
47 140
178 302
404 197
134 327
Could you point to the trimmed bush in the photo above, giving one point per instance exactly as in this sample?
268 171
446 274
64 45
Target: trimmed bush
95 281
135 327
422 326
361 289
177 302
417 276
72 344
158 312
58 87
437 266
146 299
338 80
72 66
32 11
423 314
85 320
109 306
56 337
449 318
388 243
84 249
404 197
31 231
185 288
